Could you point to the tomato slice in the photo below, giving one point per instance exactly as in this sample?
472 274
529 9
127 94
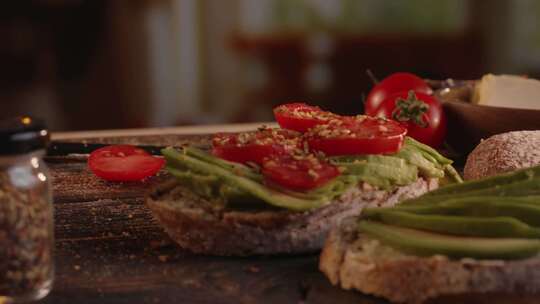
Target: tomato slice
123 163
357 135
255 146
301 117
304 172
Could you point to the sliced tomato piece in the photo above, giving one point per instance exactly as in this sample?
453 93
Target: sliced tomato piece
255 146
123 163
304 172
301 117
357 135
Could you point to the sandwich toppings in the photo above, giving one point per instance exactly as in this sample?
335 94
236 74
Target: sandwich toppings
288 156
493 218
357 135
313 148
300 180
299 158
255 146
301 117
477 237
314 158
298 172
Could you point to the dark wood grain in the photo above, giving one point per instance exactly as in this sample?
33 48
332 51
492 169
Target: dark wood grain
157 140
109 249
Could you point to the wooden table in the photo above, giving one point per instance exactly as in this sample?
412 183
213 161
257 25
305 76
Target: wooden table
109 249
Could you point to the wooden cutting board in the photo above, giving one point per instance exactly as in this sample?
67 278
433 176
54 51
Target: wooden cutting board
109 249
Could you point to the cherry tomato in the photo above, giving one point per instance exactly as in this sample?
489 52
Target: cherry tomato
394 83
298 172
123 163
301 117
254 146
357 135
421 114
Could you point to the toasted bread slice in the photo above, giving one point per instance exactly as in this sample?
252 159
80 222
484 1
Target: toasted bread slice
204 227
354 261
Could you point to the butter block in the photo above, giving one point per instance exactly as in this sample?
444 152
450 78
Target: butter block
508 91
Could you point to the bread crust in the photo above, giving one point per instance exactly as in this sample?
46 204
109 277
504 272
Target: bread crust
503 152
204 228
410 279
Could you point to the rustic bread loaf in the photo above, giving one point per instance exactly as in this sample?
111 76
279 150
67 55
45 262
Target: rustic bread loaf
354 261
205 227
503 153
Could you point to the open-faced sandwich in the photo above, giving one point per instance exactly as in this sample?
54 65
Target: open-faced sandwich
480 236
280 190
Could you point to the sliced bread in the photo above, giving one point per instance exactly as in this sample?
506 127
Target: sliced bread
354 261
206 227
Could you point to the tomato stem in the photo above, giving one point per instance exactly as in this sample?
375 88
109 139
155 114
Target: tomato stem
372 77
411 109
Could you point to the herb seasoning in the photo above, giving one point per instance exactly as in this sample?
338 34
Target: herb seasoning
26 212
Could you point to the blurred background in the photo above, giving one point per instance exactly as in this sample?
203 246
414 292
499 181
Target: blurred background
95 64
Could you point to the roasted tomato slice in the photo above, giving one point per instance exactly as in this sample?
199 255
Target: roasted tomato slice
255 146
302 172
123 163
357 135
301 117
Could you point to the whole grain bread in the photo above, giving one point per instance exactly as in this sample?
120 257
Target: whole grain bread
503 152
205 227
354 261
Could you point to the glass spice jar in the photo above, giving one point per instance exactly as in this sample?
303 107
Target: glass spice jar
26 212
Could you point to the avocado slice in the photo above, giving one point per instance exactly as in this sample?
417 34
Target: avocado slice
387 160
204 185
329 191
490 183
424 243
381 175
238 168
525 188
428 151
427 165
176 159
500 226
451 176
415 157
207 174
525 209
